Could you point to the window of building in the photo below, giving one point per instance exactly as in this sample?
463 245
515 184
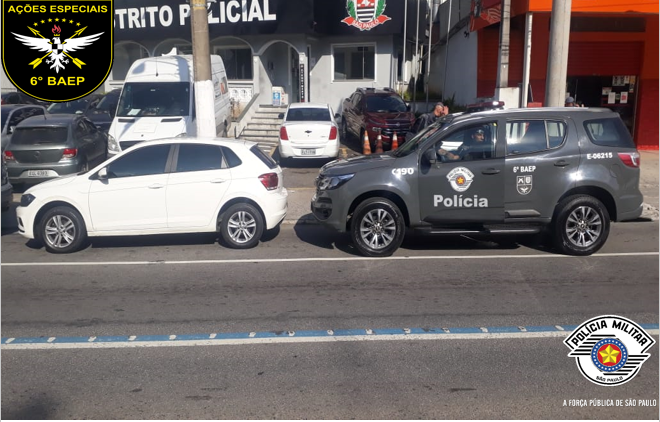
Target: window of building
238 62
354 62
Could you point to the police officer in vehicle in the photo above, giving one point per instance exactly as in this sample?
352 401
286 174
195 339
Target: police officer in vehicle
475 148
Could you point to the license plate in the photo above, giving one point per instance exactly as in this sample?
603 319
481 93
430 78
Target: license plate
38 173
307 152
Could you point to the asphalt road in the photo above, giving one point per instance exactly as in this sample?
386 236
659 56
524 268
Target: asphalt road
306 278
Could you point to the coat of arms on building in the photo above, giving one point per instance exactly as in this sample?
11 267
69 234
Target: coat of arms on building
365 14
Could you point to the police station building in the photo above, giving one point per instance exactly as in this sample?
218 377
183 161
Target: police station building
315 50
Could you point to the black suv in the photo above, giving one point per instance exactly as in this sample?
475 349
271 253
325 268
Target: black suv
374 111
520 171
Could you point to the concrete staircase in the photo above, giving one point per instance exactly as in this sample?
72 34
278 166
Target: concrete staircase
264 128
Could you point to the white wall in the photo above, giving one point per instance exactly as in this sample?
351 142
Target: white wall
322 86
5 83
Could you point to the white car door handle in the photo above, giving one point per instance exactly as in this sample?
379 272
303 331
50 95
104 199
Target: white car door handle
156 186
218 181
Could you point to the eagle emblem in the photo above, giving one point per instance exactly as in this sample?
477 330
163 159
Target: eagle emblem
58 51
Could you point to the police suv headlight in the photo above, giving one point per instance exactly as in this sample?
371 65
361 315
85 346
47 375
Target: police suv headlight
27 199
333 182
113 145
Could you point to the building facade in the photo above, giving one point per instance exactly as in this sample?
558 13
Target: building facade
612 61
314 50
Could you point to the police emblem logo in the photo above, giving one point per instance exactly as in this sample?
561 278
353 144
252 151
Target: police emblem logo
524 184
57 50
365 14
460 179
609 350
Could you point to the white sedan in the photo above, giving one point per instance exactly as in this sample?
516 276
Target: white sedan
309 130
181 185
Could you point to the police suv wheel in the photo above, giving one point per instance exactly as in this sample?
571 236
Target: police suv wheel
377 227
242 226
62 230
582 225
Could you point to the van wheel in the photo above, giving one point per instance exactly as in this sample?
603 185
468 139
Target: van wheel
581 226
62 230
242 226
377 227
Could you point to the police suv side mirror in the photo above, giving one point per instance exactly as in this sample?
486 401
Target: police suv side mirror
280 116
11 129
429 156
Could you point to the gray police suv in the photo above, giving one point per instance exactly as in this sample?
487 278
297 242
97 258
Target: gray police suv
517 171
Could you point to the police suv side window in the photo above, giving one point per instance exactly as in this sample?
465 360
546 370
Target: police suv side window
476 142
529 136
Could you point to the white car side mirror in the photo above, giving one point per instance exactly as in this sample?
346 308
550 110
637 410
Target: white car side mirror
103 173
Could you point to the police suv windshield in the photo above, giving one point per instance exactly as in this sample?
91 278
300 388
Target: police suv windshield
140 99
413 144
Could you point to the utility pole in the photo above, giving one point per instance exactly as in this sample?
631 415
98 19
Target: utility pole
503 58
444 81
204 107
416 67
432 9
405 41
560 30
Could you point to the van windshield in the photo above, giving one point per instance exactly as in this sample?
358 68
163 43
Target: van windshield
154 99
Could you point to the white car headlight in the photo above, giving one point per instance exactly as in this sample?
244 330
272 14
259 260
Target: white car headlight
333 182
113 145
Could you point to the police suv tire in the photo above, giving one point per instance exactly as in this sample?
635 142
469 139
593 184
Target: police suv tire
581 225
391 220
242 226
62 230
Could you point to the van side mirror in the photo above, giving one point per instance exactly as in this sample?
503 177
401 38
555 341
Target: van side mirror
280 116
103 173
429 156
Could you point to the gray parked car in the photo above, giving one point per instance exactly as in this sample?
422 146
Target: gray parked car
13 114
7 189
50 146
568 170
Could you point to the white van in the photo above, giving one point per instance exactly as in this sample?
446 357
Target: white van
158 101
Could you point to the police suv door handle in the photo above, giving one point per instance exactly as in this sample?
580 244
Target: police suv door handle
156 186
490 171
218 181
561 163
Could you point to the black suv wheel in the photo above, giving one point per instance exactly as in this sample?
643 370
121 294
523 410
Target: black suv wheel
377 227
581 225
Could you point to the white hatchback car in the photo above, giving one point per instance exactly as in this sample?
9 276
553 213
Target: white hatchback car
309 130
180 185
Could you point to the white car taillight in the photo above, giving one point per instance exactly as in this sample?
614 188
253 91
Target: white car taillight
269 180
283 135
333 133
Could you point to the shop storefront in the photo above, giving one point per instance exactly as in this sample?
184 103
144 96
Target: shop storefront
314 50
612 59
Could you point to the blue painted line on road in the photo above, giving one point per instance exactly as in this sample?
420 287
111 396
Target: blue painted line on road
304 333
507 329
